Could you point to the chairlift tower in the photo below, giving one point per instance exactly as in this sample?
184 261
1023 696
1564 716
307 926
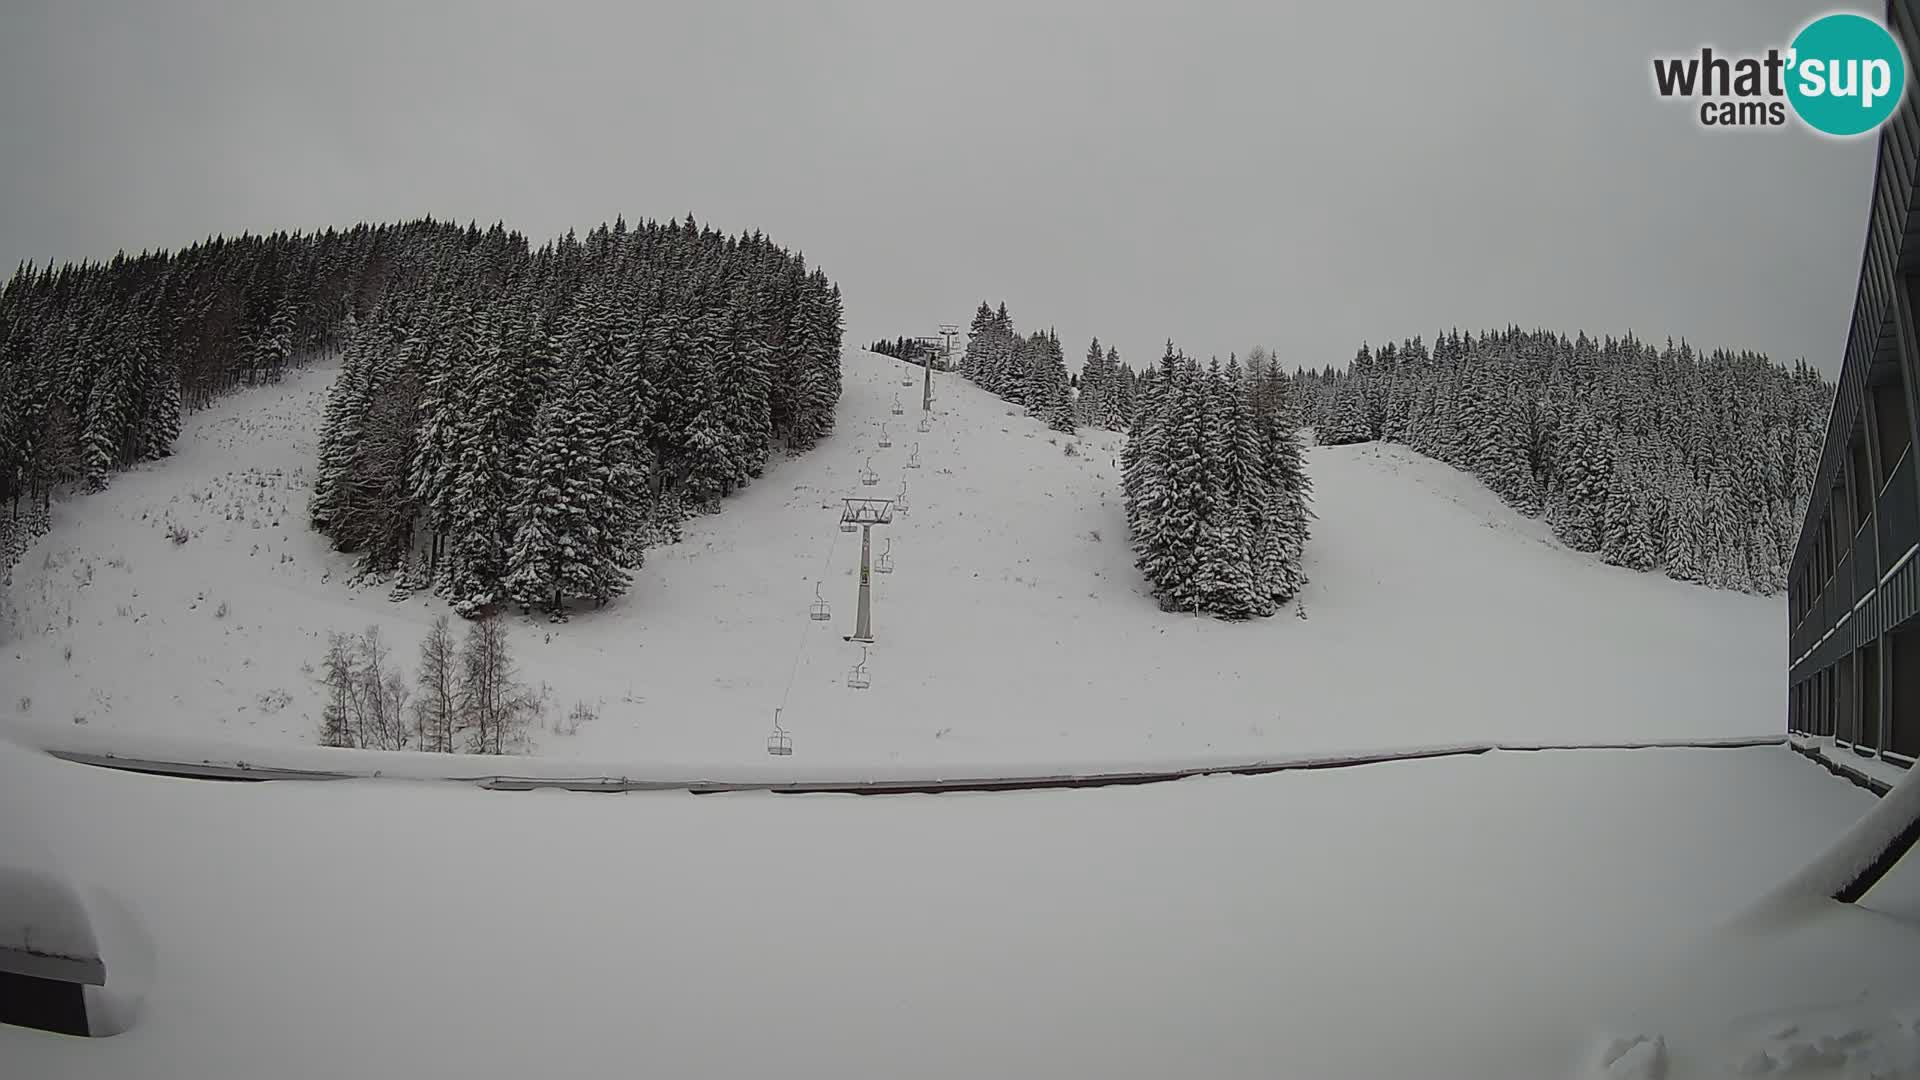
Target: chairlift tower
949 331
866 513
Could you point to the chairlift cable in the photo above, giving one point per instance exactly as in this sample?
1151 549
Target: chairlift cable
801 652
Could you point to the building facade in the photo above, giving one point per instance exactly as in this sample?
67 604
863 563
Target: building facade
1854 582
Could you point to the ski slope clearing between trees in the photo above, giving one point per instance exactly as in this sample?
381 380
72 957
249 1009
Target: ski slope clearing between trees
1420 920
191 599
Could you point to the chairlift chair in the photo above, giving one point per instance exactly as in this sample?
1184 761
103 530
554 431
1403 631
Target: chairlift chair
779 743
818 611
925 424
900 500
913 459
897 407
886 440
884 564
857 678
867 476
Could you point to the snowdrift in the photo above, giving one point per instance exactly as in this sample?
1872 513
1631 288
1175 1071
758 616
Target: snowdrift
1424 919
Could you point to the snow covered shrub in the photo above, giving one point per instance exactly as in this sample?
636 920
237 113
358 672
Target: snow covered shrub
366 697
498 710
178 534
437 708
582 713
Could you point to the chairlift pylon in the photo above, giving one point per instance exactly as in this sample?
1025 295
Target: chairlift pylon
884 564
913 459
886 439
779 743
857 679
818 611
867 476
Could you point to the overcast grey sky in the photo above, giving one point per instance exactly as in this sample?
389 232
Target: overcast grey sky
1225 174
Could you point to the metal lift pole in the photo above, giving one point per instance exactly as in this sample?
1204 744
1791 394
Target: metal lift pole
863 623
865 513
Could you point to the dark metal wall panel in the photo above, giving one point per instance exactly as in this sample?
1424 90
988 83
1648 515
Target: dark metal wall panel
1891 217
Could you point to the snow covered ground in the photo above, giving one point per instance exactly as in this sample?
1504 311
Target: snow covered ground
1422 919
1013 630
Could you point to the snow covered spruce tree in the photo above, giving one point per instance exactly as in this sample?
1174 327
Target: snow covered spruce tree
1048 392
1105 389
1215 492
561 545
1655 458
1095 387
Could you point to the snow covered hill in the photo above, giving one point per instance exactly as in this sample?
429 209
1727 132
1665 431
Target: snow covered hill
191 598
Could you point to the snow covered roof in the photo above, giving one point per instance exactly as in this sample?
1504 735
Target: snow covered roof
44 930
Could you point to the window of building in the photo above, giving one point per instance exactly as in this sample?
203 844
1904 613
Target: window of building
1860 482
1844 715
1868 725
1903 690
1894 432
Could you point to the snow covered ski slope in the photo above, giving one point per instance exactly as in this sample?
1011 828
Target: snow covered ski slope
1013 630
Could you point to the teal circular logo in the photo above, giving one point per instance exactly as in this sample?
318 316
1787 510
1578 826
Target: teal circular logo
1845 74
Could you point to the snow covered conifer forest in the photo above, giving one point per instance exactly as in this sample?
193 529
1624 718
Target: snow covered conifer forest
1216 487
1214 478
508 424
1030 370
1657 459
910 350
1696 465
